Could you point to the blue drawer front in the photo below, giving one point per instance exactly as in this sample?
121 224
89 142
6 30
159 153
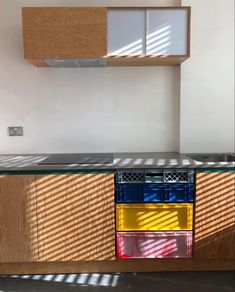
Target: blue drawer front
150 193
154 193
129 193
180 193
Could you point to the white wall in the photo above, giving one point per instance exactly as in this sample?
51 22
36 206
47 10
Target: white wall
207 79
79 110
121 109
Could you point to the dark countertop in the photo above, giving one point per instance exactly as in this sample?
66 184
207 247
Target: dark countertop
29 162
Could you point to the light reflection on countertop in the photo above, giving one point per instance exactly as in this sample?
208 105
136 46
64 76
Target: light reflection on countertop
29 162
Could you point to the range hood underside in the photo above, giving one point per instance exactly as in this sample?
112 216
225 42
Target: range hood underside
76 63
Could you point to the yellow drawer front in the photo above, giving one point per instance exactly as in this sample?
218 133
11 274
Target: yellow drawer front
154 217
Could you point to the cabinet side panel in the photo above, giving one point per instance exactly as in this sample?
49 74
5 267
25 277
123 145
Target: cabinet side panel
215 215
18 226
64 32
75 217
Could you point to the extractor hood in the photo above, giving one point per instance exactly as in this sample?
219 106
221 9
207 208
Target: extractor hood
76 63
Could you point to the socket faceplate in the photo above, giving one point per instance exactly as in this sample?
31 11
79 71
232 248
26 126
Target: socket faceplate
15 131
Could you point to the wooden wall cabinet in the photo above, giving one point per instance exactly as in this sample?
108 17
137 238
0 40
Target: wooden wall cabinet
215 215
64 33
123 36
54 218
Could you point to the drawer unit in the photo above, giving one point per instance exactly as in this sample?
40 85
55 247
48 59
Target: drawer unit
154 244
154 213
135 217
153 192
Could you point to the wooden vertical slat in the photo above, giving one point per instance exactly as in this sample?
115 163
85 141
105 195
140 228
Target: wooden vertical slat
75 217
18 224
215 215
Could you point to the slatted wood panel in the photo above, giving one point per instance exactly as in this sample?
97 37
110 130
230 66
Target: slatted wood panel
18 228
75 217
215 215
64 33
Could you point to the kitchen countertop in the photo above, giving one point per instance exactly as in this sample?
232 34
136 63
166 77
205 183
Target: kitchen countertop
29 162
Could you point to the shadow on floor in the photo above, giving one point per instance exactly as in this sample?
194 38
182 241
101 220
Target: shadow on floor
95 282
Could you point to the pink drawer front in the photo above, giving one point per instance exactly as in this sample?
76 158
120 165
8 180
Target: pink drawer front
154 244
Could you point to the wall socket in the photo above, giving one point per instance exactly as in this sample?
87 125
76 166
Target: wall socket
15 131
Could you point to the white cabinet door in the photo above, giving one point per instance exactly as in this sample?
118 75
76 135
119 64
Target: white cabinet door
126 32
166 31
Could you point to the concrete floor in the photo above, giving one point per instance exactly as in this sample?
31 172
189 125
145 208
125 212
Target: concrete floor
95 282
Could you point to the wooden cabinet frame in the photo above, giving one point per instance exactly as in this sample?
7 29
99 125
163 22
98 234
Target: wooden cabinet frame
204 258
57 217
45 39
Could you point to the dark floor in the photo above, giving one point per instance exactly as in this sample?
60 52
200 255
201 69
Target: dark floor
95 282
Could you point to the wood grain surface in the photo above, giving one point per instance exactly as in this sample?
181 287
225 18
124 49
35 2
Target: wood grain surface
130 61
81 33
57 32
57 217
215 215
38 62
18 230
146 60
75 217
148 265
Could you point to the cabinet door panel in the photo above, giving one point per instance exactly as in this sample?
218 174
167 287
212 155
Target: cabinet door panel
126 32
167 32
75 217
64 32
18 224
215 215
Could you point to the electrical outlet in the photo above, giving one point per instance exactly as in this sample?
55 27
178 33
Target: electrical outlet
15 131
